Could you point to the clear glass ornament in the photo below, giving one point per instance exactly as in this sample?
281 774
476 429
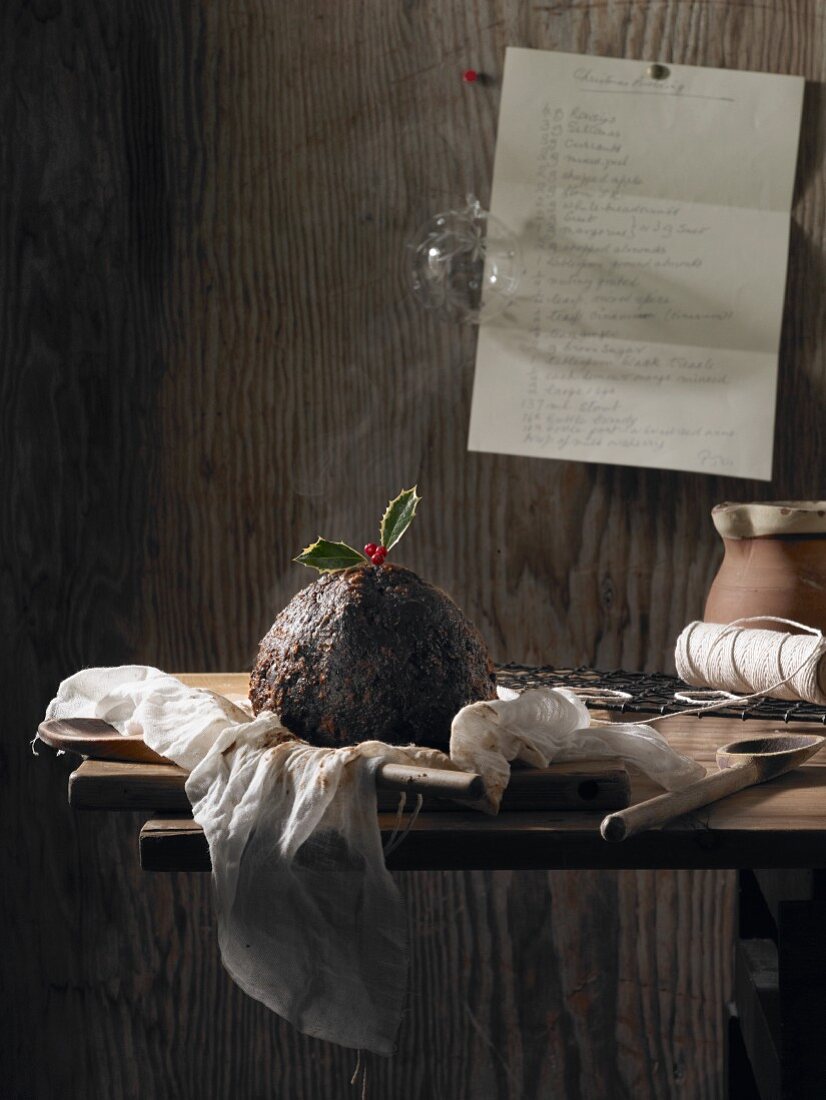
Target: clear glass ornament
465 265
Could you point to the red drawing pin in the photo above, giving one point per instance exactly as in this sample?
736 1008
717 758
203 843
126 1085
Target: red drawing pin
470 76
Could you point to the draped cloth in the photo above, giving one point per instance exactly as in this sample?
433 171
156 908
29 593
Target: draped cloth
310 922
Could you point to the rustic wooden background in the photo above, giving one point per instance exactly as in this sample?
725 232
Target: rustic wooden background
209 356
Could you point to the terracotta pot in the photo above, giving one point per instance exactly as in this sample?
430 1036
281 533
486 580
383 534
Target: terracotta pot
774 564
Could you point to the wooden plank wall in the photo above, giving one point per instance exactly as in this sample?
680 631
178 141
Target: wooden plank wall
209 356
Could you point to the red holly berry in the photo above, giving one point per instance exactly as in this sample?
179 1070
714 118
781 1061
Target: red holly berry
382 550
370 549
377 558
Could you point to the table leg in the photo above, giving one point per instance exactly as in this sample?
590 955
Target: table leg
780 988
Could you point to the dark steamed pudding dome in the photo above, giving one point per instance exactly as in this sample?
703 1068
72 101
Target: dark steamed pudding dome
371 653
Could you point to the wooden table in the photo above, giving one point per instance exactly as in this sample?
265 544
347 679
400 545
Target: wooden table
775 835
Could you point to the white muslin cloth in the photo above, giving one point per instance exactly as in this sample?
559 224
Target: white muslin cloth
310 921
544 725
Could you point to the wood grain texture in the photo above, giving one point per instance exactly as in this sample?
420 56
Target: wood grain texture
533 841
593 785
208 356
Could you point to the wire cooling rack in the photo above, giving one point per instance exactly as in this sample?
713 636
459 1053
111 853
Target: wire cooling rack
650 692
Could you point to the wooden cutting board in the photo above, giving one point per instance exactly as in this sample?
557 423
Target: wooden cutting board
122 773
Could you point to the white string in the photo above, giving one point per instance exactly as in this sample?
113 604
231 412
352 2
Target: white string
602 694
397 824
704 695
360 1067
396 837
729 659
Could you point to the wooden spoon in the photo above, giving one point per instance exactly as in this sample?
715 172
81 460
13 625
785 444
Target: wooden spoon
742 764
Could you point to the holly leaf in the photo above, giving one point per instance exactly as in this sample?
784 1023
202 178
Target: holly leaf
330 557
398 517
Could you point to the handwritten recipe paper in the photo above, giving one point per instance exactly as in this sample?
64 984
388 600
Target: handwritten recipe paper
654 221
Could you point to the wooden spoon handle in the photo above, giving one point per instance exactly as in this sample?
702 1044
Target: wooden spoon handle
665 807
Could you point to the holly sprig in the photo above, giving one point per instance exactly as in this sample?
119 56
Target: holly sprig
333 557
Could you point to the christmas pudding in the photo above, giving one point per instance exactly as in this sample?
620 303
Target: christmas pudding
370 651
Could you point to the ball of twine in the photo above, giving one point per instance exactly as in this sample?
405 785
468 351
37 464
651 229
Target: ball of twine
735 658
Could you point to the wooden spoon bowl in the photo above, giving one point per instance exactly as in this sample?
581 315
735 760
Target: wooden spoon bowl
96 738
773 755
